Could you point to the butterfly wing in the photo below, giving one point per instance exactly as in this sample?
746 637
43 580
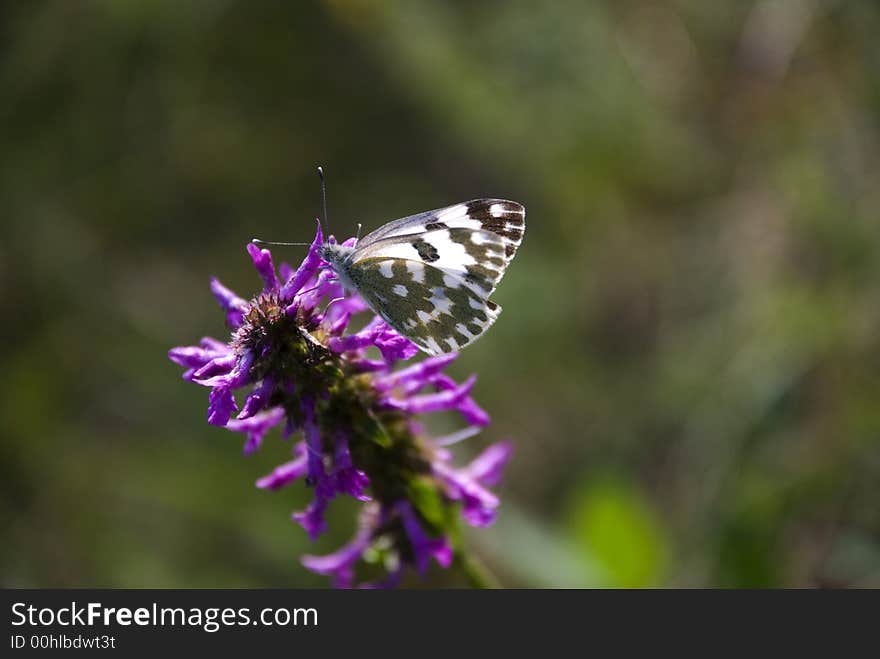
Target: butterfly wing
502 217
436 310
430 275
476 258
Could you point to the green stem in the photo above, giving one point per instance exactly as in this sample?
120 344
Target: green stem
475 571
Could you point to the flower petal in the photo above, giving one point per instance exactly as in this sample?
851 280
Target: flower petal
288 472
413 378
347 478
479 505
467 406
423 547
312 518
442 400
263 263
305 271
487 466
234 306
340 563
221 405
256 427
195 357
258 398
317 474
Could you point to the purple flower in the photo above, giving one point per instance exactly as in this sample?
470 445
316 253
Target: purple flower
349 479
340 564
234 305
469 485
301 370
289 471
312 518
423 547
256 427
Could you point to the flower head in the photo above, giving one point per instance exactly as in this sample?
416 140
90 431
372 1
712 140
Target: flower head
300 369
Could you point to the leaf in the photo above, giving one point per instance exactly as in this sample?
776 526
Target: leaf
428 502
612 522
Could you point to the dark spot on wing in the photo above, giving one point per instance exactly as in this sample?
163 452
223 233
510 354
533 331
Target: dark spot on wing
477 279
482 272
508 220
500 227
433 226
511 214
427 252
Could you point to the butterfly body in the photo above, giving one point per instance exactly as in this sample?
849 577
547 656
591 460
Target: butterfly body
430 275
340 258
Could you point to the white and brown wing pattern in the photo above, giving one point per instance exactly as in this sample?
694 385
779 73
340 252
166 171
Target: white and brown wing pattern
430 275
435 310
504 218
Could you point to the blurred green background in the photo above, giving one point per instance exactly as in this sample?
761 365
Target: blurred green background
689 358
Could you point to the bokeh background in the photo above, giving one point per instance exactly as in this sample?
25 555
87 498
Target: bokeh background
689 358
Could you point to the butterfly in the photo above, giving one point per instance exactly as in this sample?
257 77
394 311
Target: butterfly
430 275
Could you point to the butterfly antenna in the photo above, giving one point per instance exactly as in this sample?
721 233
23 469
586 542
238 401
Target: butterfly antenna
324 199
357 238
257 241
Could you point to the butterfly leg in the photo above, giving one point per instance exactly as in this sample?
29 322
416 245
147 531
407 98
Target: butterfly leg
308 290
314 288
330 303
